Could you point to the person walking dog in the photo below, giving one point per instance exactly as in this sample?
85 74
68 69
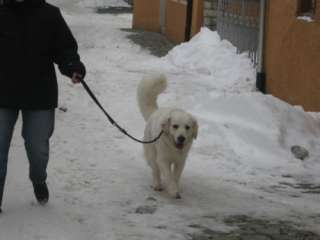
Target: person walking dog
33 37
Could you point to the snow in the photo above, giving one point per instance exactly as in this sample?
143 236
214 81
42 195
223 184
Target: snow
207 54
98 177
305 18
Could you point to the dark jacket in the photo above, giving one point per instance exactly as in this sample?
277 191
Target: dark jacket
34 36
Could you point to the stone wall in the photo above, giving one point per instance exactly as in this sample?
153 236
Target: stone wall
210 14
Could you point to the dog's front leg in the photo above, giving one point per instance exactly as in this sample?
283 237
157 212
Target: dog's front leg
177 170
156 179
172 186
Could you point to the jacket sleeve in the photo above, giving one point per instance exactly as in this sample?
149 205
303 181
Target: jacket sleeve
65 53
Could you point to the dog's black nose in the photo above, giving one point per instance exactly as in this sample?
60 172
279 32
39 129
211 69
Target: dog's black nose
181 139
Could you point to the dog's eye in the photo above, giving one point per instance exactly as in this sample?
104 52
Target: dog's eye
175 126
187 127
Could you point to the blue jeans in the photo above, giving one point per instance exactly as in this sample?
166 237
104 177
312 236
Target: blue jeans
37 128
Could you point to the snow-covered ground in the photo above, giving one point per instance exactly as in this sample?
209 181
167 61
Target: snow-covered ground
241 162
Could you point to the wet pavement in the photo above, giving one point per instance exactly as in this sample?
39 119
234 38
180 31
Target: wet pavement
113 10
248 228
156 43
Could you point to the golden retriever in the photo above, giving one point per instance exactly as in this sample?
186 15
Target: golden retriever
167 156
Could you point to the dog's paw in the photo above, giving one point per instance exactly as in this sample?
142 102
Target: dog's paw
175 195
174 191
158 188
178 196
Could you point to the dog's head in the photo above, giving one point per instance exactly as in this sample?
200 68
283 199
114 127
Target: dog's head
181 127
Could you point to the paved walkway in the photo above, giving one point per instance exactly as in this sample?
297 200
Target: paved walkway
156 43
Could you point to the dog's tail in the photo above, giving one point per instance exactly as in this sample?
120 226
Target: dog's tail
148 90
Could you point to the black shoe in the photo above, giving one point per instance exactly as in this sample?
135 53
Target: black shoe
41 192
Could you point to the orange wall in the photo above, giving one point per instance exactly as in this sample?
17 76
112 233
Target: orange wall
293 55
197 16
176 13
146 15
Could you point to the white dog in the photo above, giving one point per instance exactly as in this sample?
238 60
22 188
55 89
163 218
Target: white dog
166 156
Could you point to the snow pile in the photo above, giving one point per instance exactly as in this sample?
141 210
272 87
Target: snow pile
256 133
207 54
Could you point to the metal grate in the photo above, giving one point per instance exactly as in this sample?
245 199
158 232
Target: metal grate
238 22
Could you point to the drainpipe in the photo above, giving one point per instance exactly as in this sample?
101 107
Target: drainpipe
261 75
162 15
189 20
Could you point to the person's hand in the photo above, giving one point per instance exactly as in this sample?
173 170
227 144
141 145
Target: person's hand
76 77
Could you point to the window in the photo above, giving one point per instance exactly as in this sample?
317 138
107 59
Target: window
306 7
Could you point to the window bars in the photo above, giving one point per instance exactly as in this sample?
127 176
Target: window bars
306 8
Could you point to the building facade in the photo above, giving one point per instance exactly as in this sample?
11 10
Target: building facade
292 51
290 38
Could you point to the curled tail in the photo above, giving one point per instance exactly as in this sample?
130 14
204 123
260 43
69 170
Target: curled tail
148 90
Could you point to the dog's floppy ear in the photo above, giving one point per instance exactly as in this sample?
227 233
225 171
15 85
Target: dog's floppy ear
195 128
165 125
